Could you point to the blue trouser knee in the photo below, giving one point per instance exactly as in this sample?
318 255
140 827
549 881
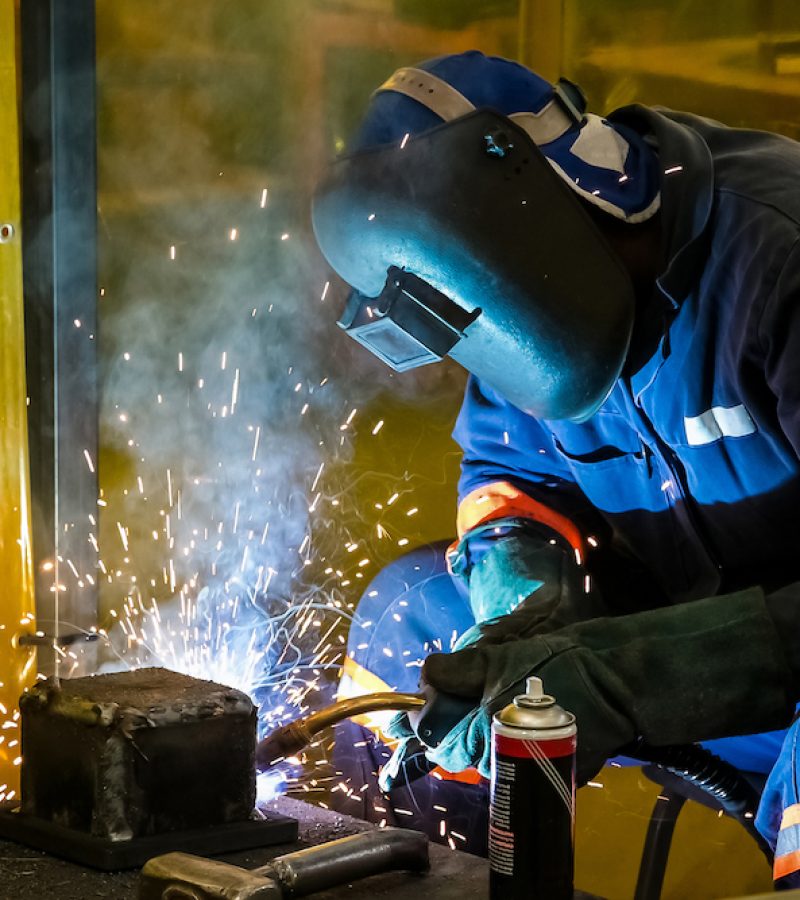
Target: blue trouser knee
412 608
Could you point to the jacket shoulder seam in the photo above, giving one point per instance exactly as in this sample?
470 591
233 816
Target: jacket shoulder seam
757 201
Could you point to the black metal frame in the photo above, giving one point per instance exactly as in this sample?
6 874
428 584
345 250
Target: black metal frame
59 219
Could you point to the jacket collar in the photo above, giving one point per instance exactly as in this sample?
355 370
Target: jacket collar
687 196
687 192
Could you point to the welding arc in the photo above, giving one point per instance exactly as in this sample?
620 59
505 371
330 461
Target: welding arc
292 738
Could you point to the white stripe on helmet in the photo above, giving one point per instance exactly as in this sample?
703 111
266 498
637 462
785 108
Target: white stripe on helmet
449 103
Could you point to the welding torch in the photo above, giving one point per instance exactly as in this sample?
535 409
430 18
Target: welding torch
433 714
424 708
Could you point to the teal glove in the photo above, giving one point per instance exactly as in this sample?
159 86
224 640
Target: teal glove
514 567
692 672
532 566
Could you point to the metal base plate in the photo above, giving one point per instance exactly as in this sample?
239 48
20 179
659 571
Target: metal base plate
110 856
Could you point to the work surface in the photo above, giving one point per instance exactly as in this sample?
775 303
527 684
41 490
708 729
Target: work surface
29 875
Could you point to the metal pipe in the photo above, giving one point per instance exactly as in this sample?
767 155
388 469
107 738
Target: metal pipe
290 739
59 231
348 859
540 36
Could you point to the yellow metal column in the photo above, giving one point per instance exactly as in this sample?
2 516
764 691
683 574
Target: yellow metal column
541 38
17 668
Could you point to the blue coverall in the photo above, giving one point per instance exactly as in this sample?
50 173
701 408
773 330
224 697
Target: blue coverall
689 474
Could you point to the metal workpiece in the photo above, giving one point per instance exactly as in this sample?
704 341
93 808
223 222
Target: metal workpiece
138 747
292 738
180 876
40 639
350 858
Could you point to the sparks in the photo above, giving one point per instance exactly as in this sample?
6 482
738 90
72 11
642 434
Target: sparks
235 391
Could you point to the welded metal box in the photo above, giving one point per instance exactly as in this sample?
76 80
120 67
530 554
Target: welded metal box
138 753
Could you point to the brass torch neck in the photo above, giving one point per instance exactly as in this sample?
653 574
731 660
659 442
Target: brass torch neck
292 738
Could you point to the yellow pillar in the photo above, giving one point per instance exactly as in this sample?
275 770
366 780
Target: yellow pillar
17 667
541 37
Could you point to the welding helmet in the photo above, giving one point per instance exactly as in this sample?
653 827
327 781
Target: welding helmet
455 217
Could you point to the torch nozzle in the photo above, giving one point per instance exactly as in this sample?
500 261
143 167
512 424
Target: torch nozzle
290 739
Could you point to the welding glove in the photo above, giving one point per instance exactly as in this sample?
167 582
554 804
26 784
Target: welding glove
511 565
518 564
697 671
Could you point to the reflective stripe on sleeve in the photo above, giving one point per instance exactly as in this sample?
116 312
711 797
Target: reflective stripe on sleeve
717 423
355 681
787 851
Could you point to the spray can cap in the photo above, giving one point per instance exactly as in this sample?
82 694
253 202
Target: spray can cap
534 696
535 709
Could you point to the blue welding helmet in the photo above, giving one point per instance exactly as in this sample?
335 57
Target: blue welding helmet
465 240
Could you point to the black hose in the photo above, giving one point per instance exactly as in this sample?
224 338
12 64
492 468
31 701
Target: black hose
718 779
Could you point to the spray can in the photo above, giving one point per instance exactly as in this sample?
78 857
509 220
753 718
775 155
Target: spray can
532 800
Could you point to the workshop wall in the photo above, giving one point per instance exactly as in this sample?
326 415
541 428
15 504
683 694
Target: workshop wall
214 127
735 61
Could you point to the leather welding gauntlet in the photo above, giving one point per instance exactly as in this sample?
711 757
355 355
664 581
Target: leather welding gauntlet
700 670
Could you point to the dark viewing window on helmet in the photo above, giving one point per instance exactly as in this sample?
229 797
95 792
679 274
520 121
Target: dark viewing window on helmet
410 324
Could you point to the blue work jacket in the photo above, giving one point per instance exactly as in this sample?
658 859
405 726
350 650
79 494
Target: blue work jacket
691 465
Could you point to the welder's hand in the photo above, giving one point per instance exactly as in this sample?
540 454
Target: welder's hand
491 674
697 671
560 595
417 733
409 759
532 571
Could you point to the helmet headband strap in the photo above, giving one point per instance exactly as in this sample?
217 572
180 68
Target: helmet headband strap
552 121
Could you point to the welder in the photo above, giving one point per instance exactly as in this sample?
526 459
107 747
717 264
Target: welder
625 293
